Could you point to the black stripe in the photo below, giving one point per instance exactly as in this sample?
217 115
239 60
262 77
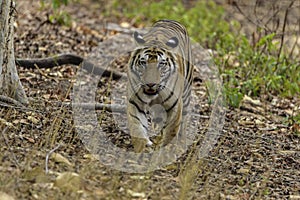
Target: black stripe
186 102
136 92
169 123
174 104
137 107
138 96
189 74
172 71
172 60
187 91
166 77
135 56
134 72
185 98
147 51
160 53
131 85
171 93
135 117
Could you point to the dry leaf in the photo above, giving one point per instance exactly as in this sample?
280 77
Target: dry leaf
33 119
243 171
136 194
57 157
43 48
31 140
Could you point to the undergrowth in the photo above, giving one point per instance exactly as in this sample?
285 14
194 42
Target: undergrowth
59 15
247 69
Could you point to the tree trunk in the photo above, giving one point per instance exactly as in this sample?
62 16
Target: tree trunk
10 84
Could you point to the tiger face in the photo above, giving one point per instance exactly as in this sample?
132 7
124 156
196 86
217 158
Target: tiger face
153 68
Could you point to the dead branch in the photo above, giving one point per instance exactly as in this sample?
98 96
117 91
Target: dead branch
283 29
99 106
50 62
264 27
63 59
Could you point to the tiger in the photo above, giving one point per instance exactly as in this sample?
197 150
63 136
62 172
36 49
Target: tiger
160 74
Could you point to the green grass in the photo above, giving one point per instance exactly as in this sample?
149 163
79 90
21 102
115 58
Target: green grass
248 69
59 15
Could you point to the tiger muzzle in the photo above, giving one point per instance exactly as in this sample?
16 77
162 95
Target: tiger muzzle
151 88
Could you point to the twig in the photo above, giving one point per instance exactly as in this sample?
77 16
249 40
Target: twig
294 45
7 99
47 157
283 30
248 18
45 75
272 17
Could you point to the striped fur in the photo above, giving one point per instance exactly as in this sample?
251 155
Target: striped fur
159 83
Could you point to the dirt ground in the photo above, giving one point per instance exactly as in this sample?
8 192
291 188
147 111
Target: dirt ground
257 155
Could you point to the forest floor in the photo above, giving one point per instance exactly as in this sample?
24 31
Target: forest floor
257 155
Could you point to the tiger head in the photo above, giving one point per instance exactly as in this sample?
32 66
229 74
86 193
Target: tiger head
155 63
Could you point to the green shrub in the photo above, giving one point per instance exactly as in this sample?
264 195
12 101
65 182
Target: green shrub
59 16
256 69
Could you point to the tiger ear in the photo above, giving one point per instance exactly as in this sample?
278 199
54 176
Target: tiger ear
172 42
138 38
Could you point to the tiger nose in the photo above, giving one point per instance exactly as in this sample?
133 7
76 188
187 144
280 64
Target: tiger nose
150 85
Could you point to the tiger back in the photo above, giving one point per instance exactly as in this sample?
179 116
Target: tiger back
160 74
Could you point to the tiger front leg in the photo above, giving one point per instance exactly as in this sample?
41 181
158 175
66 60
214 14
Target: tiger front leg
138 127
173 126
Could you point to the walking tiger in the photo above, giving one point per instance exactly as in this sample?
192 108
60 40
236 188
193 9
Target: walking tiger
160 74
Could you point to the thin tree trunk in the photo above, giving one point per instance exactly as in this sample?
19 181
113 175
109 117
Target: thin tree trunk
10 84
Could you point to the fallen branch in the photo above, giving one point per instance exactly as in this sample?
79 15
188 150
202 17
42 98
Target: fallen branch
99 106
63 59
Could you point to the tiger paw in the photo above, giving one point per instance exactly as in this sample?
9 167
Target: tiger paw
140 144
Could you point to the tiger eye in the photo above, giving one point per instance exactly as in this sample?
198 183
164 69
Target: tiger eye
142 62
162 64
